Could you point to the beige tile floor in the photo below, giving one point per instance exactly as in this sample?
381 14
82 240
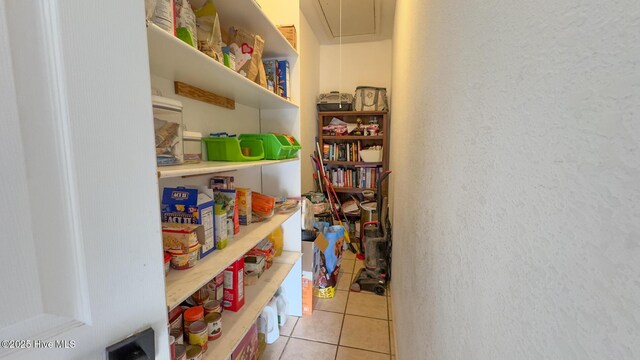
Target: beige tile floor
350 326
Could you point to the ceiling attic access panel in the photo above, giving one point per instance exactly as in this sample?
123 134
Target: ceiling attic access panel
358 17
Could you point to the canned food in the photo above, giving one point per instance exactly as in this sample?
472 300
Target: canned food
198 334
181 352
182 261
214 325
194 352
178 335
192 315
212 306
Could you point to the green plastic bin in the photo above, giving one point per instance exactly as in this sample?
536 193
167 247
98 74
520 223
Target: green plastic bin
276 147
228 149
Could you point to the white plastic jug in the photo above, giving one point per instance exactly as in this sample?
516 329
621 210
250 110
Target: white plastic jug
283 307
269 322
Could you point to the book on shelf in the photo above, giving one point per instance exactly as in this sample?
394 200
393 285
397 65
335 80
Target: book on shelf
342 152
363 177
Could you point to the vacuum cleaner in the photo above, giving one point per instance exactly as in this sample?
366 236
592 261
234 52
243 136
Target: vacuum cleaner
376 236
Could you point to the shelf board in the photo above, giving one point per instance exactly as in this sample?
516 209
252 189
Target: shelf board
180 284
236 324
212 167
173 59
351 113
351 189
352 163
331 137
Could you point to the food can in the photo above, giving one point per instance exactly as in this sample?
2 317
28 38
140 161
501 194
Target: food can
198 334
212 306
178 336
172 346
194 352
182 261
214 325
192 315
220 287
181 352
201 296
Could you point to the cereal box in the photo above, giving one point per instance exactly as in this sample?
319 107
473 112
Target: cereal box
244 205
234 286
189 206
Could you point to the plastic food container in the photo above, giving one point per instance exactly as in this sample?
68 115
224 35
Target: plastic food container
192 146
371 155
182 261
230 149
167 261
276 147
167 124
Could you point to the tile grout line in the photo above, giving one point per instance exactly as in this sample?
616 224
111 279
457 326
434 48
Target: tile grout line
344 314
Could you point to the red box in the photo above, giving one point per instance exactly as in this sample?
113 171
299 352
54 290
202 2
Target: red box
234 286
248 347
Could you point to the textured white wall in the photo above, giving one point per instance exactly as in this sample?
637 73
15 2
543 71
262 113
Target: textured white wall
309 84
367 63
516 129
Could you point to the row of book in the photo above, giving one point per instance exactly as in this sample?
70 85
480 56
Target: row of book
358 177
342 152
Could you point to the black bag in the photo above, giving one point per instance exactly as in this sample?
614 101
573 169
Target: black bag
335 101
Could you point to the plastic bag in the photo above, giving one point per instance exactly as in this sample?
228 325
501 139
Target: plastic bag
186 23
164 15
208 33
149 8
327 255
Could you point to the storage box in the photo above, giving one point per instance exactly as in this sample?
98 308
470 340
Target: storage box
234 286
271 70
192 146
289 32
167 125
248 347
180 237
307 292
189 206
221 183
230 149
284 79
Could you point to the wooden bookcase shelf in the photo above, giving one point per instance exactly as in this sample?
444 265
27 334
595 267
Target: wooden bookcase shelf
324 117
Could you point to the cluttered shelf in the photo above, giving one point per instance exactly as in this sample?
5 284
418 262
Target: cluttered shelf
236 324
173 59
350 137
351 189
211 167
180 284
351 163
350 113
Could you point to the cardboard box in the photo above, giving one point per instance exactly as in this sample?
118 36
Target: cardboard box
244 205
307 292
283 79
289 32
189 206
234 286
179 237
248 347
271 71
222 183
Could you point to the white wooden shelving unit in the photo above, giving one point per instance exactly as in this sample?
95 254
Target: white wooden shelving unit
172 60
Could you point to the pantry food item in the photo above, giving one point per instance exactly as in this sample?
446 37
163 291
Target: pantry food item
247 49
212 306
198 334
201 296
164 16
214 325
234 286
194 352
192 315
180 237
283 79
167 261
289 32
208 33
262 205
244 205
183 261
167 125
186 23
271 73
190 206
181 352
178 334
248 347
221 233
